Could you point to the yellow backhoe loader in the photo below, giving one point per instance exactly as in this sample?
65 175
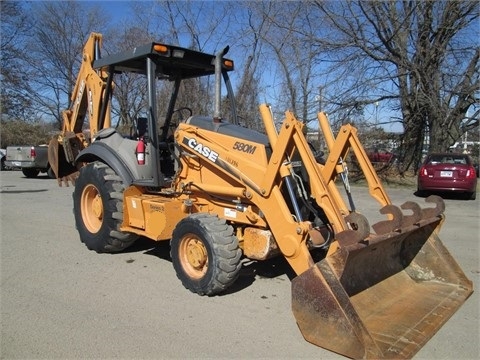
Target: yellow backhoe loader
220 193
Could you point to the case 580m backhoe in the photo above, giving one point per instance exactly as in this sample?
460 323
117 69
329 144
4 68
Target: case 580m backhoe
220 192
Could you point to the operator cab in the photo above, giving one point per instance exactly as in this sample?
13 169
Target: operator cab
169 63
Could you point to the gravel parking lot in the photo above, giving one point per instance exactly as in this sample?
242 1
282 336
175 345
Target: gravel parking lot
59 300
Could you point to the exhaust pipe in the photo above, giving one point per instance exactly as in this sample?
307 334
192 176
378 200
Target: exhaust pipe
217 115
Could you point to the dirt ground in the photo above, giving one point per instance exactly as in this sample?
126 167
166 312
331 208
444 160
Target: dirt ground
59 300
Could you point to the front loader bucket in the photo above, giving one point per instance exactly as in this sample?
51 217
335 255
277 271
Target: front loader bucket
383 297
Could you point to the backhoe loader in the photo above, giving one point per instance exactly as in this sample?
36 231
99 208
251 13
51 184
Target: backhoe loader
221 193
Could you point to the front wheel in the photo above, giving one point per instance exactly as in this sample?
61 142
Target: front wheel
205 254
98 209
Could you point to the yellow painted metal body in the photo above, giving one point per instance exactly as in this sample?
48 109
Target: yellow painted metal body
378 293
381 291
150 215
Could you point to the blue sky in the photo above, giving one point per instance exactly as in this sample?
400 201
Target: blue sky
120 13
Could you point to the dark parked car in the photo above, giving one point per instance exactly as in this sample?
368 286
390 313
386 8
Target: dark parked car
3 154
448 173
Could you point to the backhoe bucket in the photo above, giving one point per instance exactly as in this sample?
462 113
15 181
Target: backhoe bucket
382 297
64 171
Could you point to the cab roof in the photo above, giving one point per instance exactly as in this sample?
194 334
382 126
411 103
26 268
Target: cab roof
172 61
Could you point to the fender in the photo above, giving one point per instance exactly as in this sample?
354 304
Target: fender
102 152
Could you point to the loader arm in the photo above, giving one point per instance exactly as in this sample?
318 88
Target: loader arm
381 291
261 184
289 140
347 139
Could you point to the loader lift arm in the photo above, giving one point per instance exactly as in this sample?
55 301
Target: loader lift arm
369 297
347 139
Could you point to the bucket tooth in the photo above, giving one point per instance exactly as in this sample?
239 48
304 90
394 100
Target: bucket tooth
387 226
360 231
435 211
416 215
70 178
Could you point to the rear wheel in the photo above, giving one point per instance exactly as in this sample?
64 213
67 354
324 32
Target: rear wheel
205 254
30 173
98 209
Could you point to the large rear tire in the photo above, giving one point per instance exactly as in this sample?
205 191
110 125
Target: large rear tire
205 254
98 209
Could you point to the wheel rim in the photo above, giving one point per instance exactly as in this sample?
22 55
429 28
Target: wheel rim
92 208
193 256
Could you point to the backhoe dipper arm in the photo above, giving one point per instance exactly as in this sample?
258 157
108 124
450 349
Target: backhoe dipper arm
88 93
91 96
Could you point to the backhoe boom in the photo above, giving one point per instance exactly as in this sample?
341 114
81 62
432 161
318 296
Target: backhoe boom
87 100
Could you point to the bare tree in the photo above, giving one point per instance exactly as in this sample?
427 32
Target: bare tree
288 35
248 42
130 91
58 35
15 90
421 57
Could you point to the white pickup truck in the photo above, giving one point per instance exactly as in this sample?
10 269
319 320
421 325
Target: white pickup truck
31 159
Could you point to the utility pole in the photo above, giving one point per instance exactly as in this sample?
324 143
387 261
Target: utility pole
319 98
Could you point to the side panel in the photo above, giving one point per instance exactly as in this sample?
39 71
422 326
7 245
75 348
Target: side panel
241 159
152 216
120 154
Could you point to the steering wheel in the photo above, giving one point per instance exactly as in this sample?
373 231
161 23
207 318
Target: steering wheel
180 117
181 110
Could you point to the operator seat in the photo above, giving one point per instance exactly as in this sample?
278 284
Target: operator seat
141 127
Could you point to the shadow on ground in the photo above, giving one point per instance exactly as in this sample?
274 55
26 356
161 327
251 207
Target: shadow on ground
251 269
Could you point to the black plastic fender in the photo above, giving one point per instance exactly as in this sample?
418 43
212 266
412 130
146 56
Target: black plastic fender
99 151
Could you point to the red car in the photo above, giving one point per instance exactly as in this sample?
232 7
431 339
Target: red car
380 156
448 173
